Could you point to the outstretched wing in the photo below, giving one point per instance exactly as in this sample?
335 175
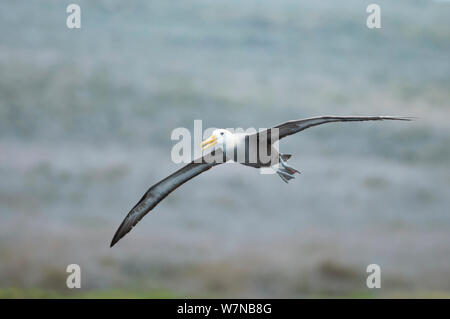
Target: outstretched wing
295 126
159 191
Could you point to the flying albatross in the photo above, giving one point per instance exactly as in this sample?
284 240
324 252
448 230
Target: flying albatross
226 147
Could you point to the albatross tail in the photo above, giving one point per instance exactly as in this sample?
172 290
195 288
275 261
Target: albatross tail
285 171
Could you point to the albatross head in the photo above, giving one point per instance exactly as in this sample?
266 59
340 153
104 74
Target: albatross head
219 137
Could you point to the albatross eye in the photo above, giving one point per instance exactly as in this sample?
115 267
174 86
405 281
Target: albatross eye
221 133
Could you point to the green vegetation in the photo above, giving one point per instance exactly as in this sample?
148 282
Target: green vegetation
102 294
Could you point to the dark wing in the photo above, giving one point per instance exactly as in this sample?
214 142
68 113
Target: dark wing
159 191
295 126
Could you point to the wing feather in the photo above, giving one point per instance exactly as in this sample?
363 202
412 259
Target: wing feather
159 191
295 126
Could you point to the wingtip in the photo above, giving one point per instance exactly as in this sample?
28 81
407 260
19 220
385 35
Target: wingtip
121 232
117 236
401 118
113 242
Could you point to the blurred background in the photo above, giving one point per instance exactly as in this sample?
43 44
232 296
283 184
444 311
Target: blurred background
85 122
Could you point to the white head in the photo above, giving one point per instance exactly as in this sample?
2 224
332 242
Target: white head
220 137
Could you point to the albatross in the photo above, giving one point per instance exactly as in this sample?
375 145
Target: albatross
225 146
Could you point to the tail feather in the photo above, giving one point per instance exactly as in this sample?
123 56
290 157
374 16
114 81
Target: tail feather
285 171
285 176
291 170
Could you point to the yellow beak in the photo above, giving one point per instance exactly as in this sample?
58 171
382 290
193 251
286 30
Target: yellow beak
211 141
